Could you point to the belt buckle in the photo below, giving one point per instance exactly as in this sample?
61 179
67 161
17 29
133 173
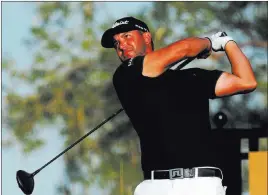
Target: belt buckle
176 173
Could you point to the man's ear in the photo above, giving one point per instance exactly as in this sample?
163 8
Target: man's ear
147 37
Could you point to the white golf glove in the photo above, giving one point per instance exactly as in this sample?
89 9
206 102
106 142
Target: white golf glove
219 41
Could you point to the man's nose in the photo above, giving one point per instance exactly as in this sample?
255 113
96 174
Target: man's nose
122 45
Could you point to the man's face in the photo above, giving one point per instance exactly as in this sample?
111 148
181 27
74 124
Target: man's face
129 44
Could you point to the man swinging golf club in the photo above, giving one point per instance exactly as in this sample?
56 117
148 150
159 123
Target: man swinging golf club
169 109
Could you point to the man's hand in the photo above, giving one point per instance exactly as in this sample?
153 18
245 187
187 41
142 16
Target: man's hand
219 41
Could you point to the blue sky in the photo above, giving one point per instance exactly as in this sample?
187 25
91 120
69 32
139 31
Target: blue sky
17 18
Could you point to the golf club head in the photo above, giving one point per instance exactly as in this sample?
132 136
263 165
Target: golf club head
25 181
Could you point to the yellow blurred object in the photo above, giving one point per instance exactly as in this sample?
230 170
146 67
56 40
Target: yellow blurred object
159 33
258 173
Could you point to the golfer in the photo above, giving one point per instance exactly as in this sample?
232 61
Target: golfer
169 109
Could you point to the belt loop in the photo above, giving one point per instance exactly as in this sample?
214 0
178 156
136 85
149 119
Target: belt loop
196 172
152 175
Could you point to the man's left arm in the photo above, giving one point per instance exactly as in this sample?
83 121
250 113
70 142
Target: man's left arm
242 79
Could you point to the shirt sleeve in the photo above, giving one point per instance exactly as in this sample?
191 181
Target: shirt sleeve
208 80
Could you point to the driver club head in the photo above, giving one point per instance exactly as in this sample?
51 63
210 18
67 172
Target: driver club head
25 181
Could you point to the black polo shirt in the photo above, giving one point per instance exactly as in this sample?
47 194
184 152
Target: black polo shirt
170 114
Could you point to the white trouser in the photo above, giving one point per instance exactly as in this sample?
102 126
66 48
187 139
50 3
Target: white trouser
185 186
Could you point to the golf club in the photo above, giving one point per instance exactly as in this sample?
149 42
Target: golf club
26 180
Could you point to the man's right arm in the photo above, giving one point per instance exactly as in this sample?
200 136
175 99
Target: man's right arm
155 62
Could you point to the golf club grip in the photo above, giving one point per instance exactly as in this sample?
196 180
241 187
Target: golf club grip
79 140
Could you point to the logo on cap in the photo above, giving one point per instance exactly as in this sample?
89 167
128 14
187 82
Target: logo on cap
144 29
119 23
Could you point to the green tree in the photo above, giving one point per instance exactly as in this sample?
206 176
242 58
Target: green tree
66 81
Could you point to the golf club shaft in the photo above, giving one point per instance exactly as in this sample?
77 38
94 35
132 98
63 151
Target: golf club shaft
184 63
79 140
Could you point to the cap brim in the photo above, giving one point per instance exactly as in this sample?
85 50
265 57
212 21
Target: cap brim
108 35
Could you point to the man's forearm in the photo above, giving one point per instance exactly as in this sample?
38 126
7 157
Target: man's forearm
155 62
240 64
196 46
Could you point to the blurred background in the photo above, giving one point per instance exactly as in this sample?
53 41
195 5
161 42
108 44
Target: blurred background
57 86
